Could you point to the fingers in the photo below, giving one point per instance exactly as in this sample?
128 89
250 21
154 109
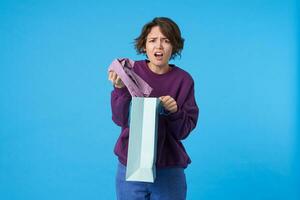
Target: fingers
115 79
166 100
111 76
169 103
118 80
173 108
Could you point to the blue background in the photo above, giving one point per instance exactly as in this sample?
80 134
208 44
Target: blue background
56 132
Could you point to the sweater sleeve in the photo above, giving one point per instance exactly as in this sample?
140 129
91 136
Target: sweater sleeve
120 101
185 119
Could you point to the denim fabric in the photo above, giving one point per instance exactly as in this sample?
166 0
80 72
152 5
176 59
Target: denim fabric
170 184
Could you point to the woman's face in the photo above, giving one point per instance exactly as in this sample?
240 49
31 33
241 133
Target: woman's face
158 48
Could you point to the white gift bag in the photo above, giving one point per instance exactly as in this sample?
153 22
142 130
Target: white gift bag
142 139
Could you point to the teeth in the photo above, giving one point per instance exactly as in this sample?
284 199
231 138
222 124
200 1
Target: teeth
158 54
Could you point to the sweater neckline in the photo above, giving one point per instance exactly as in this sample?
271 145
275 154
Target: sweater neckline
173 67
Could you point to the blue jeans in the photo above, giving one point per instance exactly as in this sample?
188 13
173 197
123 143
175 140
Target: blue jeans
170 184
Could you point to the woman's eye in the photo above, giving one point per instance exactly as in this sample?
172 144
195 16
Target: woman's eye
167 41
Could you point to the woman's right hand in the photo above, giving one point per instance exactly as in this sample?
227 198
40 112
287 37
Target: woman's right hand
115 79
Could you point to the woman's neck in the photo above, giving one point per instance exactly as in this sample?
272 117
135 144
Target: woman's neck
159 69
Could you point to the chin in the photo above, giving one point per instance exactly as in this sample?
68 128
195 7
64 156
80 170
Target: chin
160 63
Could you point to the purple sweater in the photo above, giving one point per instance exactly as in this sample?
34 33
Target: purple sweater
172 128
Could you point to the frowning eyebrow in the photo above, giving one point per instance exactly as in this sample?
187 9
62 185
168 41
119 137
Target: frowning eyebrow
156 38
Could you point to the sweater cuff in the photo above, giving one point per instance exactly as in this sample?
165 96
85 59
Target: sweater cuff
176 115
121 91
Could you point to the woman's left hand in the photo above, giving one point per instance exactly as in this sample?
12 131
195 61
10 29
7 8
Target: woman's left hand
169 103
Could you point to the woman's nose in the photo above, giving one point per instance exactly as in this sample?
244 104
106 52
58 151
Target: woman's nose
159 44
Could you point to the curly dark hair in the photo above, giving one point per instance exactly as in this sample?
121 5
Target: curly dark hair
169 28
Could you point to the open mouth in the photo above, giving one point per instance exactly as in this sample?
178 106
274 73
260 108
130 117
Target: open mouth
158 55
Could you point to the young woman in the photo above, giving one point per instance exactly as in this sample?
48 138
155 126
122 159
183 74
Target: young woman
161 41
